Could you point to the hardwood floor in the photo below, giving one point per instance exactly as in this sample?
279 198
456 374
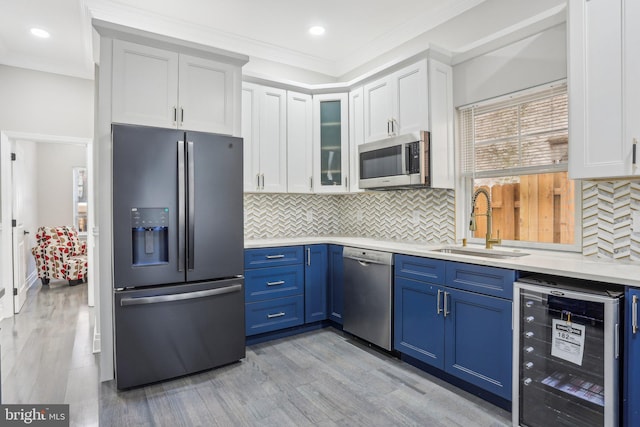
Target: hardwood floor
320 378
47 352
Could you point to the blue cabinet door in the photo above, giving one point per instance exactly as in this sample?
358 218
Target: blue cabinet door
478 340
315 283
336 298
418 321
631 398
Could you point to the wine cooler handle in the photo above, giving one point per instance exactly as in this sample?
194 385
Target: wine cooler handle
634 315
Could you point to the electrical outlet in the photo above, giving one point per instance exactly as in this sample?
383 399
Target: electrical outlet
309 216
635 222
416 217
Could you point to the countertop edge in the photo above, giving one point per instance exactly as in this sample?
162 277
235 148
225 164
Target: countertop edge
546 262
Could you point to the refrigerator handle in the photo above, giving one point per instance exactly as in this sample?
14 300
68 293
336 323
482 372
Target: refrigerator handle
181 207
191 208
179 297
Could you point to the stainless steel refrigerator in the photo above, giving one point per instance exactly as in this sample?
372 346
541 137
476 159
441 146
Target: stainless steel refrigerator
178 253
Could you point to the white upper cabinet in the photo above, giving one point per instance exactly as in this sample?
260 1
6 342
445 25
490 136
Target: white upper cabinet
356 134
441 125
604 91
264 129
396 104
206 95
145 85
299 142
331 143
155 87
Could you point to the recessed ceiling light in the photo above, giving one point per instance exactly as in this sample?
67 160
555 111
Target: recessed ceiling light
316 30
39 32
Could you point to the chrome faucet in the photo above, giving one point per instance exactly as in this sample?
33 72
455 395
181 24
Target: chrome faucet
489 241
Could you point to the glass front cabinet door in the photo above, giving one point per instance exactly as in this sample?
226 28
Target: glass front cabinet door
331 143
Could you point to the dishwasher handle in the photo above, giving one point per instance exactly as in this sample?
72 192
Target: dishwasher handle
179 297
365 261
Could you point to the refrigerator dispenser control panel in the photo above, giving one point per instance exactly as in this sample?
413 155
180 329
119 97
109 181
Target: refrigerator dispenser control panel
149 217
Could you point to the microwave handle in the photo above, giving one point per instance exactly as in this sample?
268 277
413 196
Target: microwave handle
406 158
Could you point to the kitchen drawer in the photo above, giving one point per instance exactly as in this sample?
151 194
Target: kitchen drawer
271 315
275 282
497 282
270 257
423 269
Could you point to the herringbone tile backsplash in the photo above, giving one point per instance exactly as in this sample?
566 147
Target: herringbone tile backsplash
607 209
428 215
425 215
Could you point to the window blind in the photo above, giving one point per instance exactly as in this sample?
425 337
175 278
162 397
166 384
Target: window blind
522 134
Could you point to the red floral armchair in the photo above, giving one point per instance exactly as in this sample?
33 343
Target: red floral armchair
60 254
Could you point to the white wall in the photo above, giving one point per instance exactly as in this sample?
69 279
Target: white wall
44 103
55 163
535 60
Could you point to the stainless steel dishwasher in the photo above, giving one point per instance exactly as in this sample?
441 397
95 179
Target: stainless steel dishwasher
368 295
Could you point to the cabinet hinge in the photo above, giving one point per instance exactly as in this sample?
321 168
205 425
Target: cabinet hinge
13 157
15 291
14 222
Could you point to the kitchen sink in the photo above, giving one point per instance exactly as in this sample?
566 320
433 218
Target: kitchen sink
485 253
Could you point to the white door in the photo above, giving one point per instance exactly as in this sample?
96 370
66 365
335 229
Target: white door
20 242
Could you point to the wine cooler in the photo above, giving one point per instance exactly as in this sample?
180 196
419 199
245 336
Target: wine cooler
566 352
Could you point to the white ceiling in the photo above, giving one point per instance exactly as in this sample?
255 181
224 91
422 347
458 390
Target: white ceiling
276 30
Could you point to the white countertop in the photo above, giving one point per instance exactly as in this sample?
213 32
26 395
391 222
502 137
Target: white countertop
538 261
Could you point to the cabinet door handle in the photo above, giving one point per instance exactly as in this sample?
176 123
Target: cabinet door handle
308 256
274 315
175 115
310 183
439 310
258 183
275 256
388 130
279 282
181 116
635 147
446 304
634 315
262 185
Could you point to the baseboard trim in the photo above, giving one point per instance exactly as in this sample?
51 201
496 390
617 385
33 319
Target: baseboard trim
96 340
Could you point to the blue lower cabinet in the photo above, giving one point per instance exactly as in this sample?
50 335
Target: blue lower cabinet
478 340
418 324
274 314
336 283
631 387
274 282
315 283
466 333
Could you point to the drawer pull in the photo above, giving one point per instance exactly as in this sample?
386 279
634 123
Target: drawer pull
274 315
275 256
279 282
438 309
634 315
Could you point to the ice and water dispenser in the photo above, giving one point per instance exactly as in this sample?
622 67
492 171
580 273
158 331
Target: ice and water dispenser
150 236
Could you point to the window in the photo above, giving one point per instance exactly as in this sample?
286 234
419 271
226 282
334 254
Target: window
516 148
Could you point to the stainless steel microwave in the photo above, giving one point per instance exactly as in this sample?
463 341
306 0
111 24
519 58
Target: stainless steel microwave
394 163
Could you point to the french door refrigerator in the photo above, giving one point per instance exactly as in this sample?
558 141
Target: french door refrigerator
178 253
566 352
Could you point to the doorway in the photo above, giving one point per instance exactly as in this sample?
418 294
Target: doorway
18 223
